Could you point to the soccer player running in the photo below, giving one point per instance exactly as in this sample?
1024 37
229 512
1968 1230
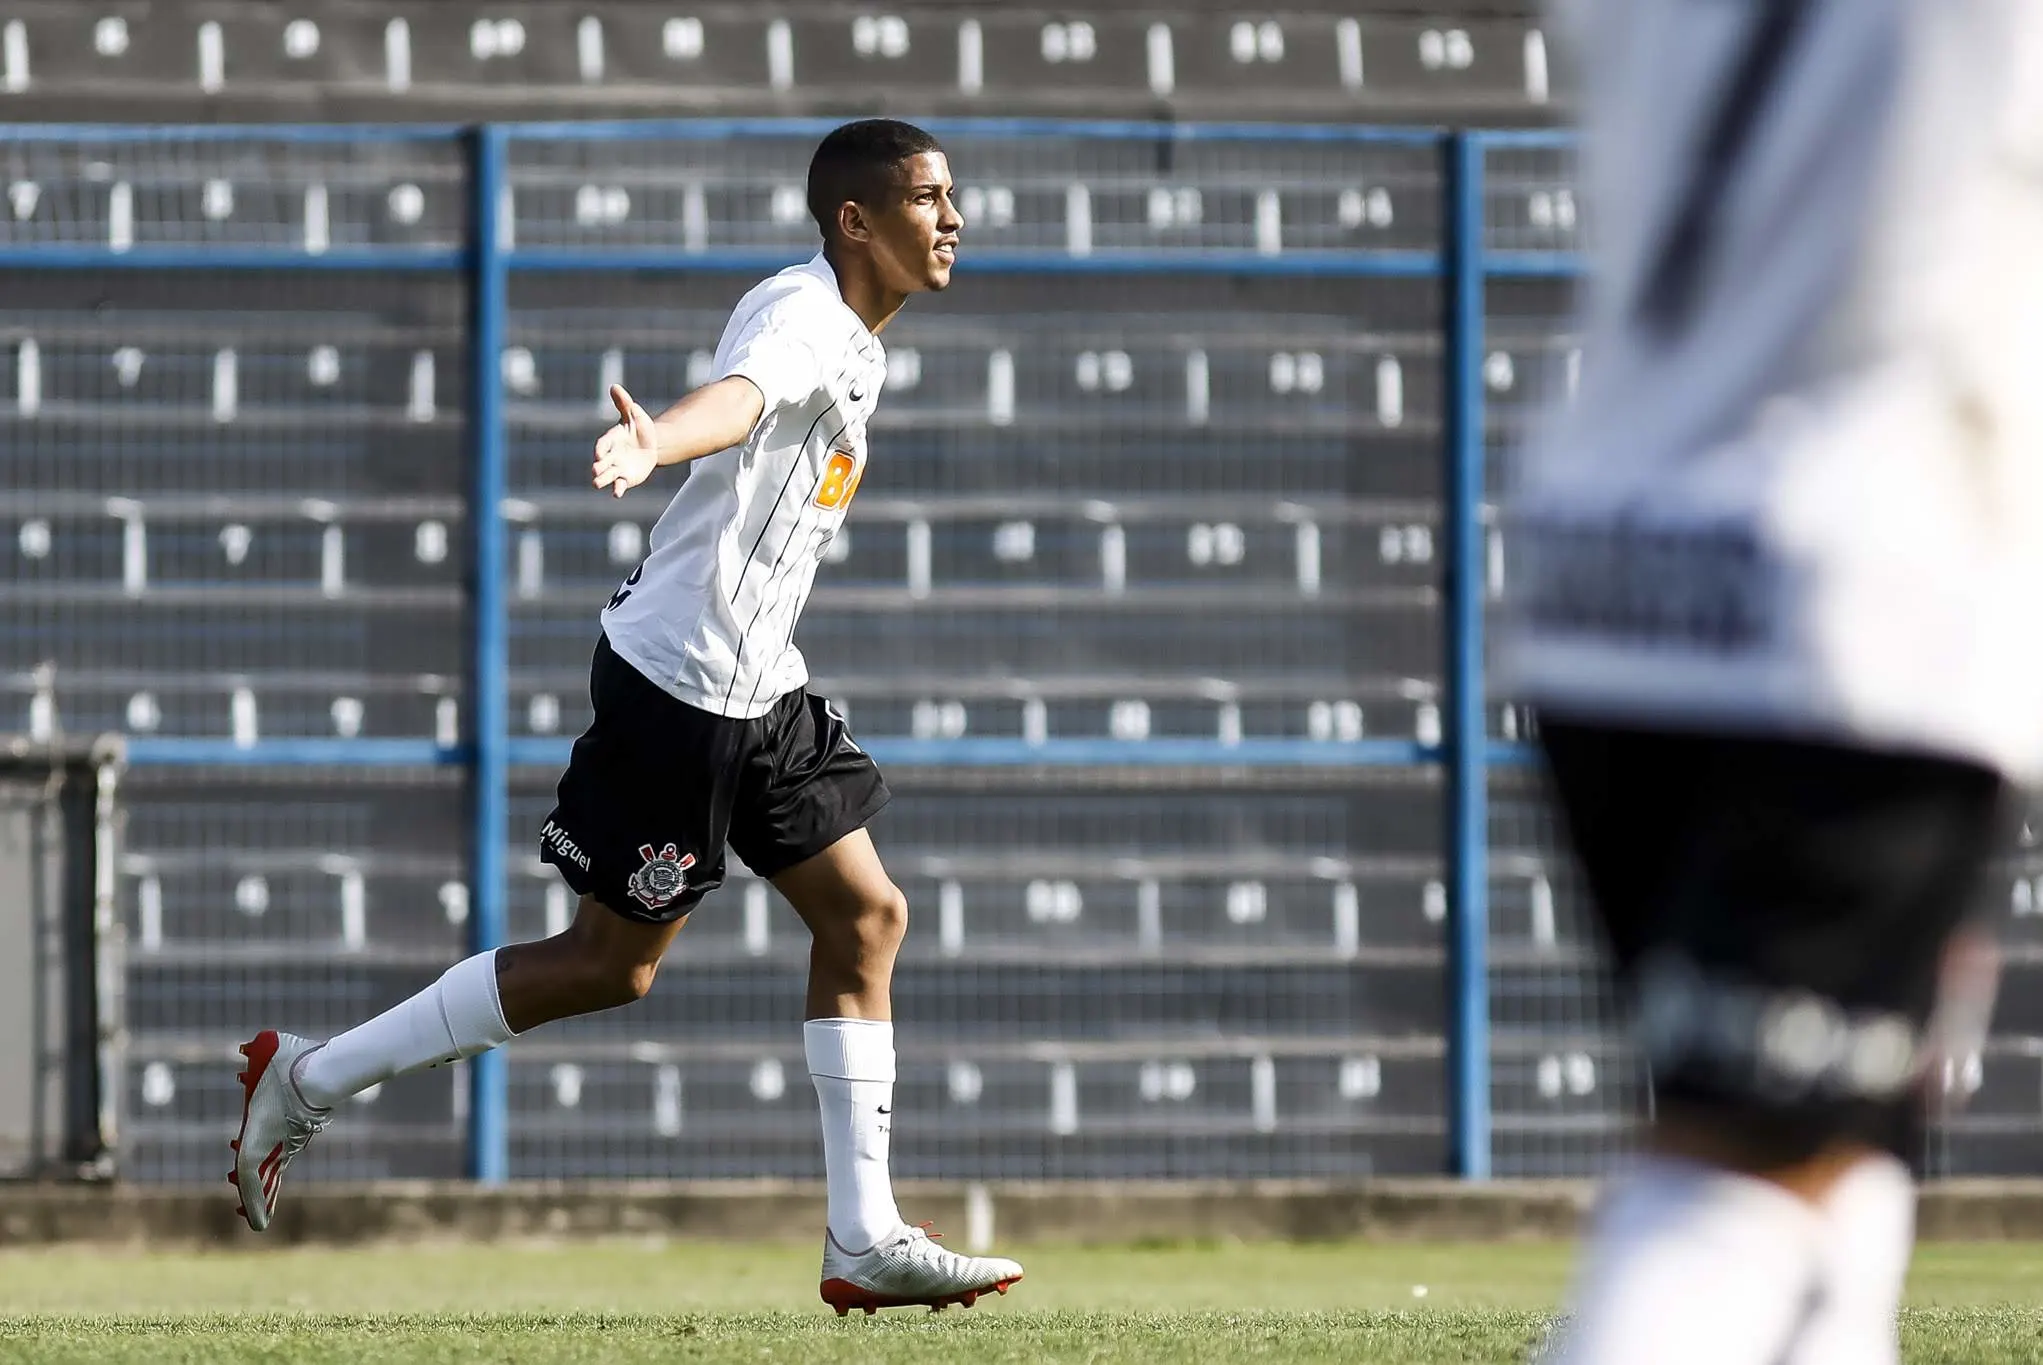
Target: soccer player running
705 734
1775 577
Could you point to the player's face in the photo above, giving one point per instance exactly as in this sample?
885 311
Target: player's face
915 238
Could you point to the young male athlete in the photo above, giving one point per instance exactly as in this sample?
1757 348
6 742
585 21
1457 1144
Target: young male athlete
704 733
1775 581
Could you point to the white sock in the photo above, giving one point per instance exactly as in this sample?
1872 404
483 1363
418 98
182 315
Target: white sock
1690 1265
457 1016
852 1064
1869 1231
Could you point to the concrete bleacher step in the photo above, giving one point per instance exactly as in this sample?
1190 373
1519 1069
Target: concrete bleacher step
405 632
316 196
396 60
738 1000
1340 710
271 703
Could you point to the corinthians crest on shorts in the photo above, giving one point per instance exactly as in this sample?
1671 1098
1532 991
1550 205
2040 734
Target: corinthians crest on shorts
662 877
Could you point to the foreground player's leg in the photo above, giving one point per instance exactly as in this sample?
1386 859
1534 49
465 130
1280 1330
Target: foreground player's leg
1695 1261
1814 1266
871 1258
292 1084
1868 1232
1779 911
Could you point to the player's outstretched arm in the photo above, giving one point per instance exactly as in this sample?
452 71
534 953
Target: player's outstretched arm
712 418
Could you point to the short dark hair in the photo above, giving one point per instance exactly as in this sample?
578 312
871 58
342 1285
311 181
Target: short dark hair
856 162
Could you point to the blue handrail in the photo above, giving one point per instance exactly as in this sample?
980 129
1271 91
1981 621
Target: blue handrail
1464 724
489 1146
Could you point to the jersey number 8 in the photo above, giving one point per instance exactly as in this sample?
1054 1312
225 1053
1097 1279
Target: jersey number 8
840 480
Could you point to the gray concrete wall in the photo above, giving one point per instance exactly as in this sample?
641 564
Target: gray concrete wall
32 1215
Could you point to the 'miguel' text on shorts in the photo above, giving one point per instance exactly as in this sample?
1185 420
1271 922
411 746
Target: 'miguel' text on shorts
561 842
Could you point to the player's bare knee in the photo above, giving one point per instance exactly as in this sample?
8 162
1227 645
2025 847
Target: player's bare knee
598 976
635 981
880 921
607 983
861 934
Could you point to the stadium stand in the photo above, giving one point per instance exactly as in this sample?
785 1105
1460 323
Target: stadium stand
358 59
1126 506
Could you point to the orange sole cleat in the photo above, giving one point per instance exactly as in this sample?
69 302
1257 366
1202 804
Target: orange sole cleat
844 1296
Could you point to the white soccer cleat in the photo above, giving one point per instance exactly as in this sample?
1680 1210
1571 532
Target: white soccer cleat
909 1268
276 1122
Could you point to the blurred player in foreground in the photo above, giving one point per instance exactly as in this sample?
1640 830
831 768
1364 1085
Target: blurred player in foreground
704 733
1774 594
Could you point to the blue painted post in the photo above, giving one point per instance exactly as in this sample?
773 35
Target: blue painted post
489 775
1465 730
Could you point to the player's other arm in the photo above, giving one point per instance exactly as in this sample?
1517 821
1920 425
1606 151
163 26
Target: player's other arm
714 417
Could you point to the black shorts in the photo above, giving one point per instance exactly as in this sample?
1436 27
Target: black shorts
656 788
1778 912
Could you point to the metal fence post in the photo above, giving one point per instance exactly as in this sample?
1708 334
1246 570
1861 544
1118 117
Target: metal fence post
489 775
1466 731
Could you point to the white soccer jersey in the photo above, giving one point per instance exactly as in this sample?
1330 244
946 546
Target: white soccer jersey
1800 489
710 613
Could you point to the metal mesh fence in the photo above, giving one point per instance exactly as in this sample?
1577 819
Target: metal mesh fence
235 513
291 898
1990 1102
247 190
1156 503
1156 510
234 503
1083 197
1096 983
1116 507
1567 1088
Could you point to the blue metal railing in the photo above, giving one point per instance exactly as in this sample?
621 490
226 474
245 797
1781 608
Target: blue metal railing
1463 263
489 1141
1463 726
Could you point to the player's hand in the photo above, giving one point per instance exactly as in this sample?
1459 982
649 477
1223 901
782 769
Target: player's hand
627 454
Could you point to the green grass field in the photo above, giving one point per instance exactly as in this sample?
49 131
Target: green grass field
1416 1304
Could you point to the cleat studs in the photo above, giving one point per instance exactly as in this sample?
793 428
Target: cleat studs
870 1310
1001 1287
968 1299
843 1310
